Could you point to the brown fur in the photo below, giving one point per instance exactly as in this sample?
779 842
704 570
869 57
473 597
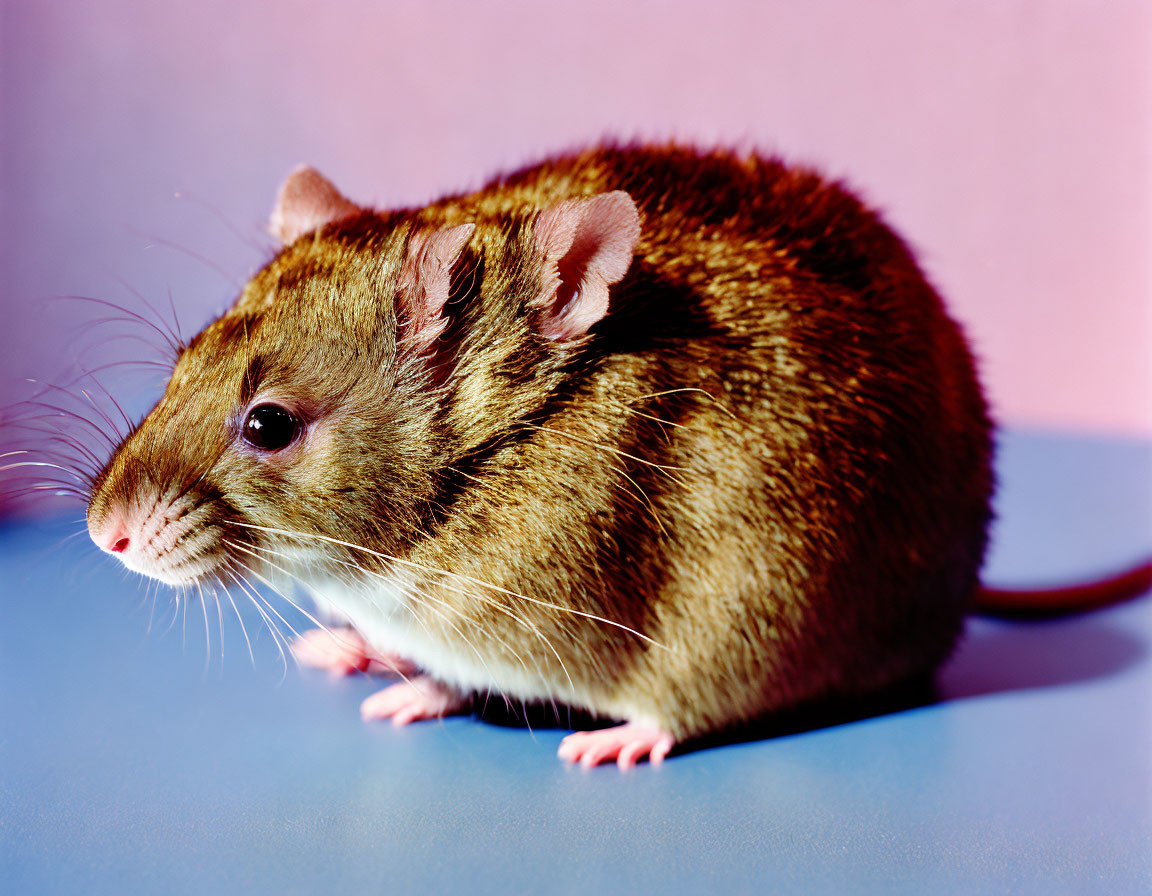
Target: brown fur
771 457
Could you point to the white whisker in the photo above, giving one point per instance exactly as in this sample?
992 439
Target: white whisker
207 630
42 463
304 536
280 593
295 605
273 631
243 629
423 600
663 468
175 614
715 401
184 622
219 626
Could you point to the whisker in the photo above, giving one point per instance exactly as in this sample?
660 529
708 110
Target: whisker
42 489
78 534
661 420
176 602
207 631
196 256
107 419
116 404
644 497
220 626
173 336
243 630
277 636
140 318
237 546
175 318
664 468
74 415
304 536
154 590
126 362
240 581
78 476
164 355
75 481
300 609
223 219
346 577
715 401
41 463
56 436
423 599
268 605
316 622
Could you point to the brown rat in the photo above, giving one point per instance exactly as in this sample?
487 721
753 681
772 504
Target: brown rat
677 438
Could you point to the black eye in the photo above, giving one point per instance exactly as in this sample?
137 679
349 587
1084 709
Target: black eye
270 427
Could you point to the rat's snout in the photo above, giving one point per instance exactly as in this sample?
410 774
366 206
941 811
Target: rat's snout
166 538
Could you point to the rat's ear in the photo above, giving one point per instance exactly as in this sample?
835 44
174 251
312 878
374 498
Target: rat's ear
426 279
587 245
307 200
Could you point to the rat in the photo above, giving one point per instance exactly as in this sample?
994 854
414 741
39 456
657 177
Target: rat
679 438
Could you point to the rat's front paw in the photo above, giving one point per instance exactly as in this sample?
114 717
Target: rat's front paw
625 744
420 697
343 651
339 650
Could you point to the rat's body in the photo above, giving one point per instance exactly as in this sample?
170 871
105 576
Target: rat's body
680 455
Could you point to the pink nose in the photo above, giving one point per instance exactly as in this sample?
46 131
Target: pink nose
111 535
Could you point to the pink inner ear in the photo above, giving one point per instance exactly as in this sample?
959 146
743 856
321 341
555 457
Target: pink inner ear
587 245
426 280
307 200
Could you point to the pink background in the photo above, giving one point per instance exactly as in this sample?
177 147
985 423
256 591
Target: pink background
1008 140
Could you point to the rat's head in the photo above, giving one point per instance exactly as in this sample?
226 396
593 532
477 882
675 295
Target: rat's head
374 351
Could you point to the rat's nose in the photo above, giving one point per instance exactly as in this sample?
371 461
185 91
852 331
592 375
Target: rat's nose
110 535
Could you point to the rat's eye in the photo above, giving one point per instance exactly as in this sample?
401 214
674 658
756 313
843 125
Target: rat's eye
270 427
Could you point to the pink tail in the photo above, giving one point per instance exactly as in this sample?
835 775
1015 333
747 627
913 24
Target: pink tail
1072 599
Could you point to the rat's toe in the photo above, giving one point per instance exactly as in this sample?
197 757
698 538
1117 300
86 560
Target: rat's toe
626 744
409 701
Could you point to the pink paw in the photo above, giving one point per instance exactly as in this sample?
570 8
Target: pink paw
625 743
343 651
340 650
409 701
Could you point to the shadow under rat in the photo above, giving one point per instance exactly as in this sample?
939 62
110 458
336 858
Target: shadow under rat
995 657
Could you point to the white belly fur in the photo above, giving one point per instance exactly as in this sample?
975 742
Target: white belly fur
380 611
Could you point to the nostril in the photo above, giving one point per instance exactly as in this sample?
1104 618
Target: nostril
114 531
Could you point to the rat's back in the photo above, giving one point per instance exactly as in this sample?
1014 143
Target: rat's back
772 457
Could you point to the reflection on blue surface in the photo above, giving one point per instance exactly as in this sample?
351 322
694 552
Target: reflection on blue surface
140 760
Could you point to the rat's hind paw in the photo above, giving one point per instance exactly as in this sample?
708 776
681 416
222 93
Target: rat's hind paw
625 743
343 651
408 701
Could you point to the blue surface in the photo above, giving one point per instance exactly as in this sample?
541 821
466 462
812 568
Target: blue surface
140 761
